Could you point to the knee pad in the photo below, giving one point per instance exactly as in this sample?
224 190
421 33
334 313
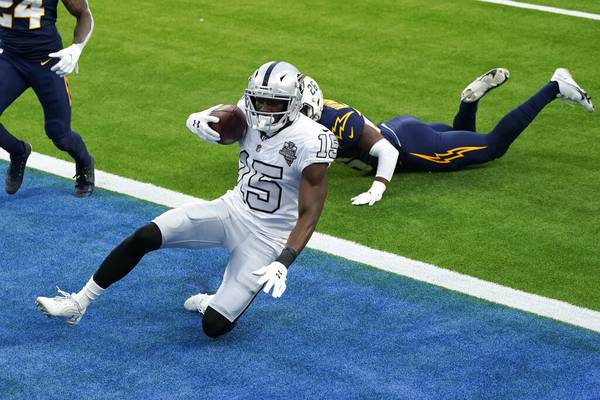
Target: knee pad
58 130
147 238
214 324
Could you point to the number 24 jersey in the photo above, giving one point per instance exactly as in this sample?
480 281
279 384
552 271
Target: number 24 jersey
27 28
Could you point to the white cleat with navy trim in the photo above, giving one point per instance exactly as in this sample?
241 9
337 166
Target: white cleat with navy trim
483 84
64 306
570 90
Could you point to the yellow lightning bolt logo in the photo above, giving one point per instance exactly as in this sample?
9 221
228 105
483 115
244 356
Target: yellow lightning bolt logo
447 157
340 124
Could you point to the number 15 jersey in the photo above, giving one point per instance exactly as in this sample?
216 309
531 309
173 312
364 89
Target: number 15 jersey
27 28
270 171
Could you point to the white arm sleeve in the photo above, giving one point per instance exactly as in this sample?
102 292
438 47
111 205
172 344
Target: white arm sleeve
387 156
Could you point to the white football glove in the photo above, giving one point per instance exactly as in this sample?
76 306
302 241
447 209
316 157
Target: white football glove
274 275
198 124
69 56
372 196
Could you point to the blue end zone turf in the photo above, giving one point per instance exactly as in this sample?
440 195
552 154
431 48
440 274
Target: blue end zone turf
341 330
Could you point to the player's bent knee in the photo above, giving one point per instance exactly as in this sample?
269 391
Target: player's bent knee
496 152
147 238
215 324
64 143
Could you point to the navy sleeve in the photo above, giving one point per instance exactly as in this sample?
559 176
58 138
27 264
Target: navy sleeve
345 122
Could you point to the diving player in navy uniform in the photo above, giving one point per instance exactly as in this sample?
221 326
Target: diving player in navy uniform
32 55
414 145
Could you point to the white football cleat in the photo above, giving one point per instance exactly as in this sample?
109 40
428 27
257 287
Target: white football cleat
570 90
486 82
198 302
64 306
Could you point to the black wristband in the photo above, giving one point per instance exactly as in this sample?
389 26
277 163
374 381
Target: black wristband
287 256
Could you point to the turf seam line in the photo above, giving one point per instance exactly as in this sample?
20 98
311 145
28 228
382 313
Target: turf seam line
553 10
420 271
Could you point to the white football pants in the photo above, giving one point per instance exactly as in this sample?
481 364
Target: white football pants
214 224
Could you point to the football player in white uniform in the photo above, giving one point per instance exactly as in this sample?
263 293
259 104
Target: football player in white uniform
265 221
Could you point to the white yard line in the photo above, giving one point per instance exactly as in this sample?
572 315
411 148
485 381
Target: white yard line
396 264
552 10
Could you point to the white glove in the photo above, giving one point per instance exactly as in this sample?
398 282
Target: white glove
274 275
68 60
198 124
372 196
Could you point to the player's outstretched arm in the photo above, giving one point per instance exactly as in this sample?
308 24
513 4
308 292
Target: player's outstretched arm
69 56
311 199
376 145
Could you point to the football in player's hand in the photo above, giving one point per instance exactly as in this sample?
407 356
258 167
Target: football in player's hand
232 123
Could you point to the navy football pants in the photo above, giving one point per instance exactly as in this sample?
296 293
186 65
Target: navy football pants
441 147
16 76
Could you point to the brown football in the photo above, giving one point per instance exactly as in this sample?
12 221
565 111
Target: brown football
232 123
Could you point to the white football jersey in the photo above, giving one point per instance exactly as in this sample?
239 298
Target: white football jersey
270 170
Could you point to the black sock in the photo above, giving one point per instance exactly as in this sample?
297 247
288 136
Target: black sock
128 254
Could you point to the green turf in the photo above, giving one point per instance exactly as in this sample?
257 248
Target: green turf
529 220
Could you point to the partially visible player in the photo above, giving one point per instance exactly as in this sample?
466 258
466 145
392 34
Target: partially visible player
265 221
32 55
414 145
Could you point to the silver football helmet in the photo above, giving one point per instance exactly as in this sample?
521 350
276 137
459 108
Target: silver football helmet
312 98
275 80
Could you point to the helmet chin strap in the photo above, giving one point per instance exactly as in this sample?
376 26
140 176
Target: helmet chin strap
264 122
268 135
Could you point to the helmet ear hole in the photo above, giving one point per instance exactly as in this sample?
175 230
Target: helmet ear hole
307 110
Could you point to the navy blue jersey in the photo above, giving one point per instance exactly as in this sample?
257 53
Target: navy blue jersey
346 123
27 28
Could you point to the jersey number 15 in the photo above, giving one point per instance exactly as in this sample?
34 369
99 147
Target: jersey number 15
31 9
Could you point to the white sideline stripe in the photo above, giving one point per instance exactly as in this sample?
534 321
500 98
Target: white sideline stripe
417 270
543 306
114 183
552 10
